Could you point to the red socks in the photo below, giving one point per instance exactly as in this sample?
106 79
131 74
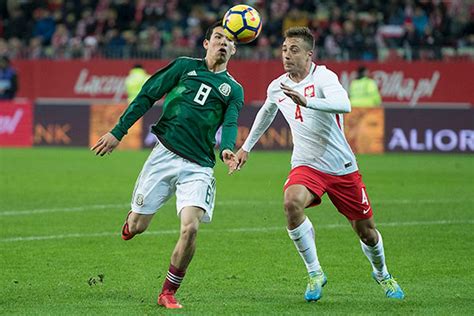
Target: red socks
173 279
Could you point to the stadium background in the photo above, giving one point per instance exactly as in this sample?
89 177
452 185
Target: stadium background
61 207
72 58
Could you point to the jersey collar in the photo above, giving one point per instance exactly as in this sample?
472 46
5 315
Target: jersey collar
312 69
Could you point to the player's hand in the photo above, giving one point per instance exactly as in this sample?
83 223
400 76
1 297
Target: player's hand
230 159
242 156
105 145
293 94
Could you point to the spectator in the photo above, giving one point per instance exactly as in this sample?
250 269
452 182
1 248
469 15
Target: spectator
114 44
60 40
35 49
135 80
412 41
8 79
363 91
44 26
294 18
18 25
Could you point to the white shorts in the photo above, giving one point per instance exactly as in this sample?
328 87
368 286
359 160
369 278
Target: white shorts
165 173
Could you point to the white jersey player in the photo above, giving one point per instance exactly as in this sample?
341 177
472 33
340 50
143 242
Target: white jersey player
312 101
318 137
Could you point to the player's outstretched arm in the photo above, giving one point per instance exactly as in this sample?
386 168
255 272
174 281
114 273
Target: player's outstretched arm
242 156
105 145
293 94
230 159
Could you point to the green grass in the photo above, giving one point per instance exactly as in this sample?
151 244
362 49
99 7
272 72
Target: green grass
73 204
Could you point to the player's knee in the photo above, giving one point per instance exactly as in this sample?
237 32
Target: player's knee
294 212
189 231
293 205
368 237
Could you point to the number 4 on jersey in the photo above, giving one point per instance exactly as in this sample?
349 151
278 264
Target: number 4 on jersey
298 115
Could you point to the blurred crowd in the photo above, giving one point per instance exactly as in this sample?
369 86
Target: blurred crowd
344 29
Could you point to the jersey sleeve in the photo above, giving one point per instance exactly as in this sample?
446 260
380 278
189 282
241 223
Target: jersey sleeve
230 126
335 98
263 119
154 89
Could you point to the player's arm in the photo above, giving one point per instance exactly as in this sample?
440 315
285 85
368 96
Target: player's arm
230 129
263 120
105 145
335 98
153 89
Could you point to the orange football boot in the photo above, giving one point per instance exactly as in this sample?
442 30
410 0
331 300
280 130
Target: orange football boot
168 300
126 235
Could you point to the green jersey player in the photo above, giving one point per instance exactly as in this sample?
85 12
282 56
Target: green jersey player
200 97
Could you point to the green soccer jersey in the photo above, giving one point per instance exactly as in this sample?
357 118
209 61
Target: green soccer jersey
198 101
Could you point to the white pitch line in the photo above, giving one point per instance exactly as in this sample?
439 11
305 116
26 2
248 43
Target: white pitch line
221 203
232 230
61 209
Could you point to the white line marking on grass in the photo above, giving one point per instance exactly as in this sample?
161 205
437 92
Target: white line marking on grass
221 203
231 230
61 209
64 236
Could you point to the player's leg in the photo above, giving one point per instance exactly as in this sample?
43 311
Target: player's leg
154 186
349 195
372 246
301 231
304 188
135 224
183 252
182 255
195 195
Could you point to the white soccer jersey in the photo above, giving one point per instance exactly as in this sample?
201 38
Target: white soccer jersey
317 129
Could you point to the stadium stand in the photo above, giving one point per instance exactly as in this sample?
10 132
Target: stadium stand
345 30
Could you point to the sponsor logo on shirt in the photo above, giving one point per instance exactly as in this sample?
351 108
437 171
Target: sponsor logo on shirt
192 73
225 89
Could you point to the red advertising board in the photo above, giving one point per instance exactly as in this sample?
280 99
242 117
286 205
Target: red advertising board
16 124
399 82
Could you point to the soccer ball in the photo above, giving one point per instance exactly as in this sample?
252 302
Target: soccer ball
242 23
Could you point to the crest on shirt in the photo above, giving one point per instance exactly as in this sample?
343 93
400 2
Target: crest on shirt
225 89
139 200
309 91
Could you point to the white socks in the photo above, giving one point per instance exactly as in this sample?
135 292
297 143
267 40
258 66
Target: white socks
376 257
303 238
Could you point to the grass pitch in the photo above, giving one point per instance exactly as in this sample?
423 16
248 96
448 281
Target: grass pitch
61 211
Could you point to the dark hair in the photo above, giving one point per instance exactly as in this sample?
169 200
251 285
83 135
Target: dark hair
301 32
361 71
211 28
138 66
